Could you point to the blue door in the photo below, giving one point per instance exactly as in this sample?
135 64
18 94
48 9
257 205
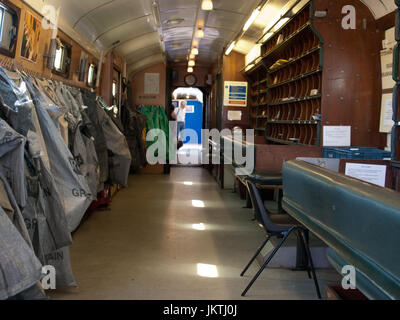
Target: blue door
194 119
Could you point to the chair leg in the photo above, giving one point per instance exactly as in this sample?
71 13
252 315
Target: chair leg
306 242
255 256
304 246
267 262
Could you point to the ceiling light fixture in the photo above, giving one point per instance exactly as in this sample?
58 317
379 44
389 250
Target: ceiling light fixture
252 18
192 57
192 63
200 33
174 22
207 5
195 51
190 70
230 48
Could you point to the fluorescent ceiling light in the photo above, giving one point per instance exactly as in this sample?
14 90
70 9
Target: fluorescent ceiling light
195 51
200 33
230 48
199 227
189 70
252 18
198 204
267 36
207 5
188 183
280 24
207 270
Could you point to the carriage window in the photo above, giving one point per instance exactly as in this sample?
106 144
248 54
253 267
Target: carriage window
62 60
92 75
8 30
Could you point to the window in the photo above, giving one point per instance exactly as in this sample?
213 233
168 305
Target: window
92 76
62 60
9 18
116 93
114 89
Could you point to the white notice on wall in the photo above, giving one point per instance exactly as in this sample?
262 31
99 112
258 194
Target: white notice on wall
152 83
375 174
235 115
387 69
337 136
386 123
388 120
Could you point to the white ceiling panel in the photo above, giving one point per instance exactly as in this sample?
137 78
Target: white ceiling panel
166 5
227 20
380 8
142 41
144 63
116 13
244 7
189 16
143 53
126 31
178 33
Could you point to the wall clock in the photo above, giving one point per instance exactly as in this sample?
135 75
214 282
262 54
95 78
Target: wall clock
190 80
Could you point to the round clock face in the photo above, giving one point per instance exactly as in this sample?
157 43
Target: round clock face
190 80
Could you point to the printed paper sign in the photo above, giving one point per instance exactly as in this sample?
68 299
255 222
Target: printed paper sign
235 115
152 83
337 136
387 69
235 94
375 174
387 122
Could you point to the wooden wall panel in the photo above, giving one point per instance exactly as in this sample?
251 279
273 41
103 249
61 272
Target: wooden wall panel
352 75
232 65
200 73
137 84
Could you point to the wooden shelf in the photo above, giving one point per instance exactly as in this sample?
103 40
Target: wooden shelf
279 141
287 41
318 96
296 78
272 71
302 122
299 77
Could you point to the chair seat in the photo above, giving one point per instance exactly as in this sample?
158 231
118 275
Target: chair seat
266 179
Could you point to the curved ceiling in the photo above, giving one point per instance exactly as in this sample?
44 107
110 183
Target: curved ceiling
129 26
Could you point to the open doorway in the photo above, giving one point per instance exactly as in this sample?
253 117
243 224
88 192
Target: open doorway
191 135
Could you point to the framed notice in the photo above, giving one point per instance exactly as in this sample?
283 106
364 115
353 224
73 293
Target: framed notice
235 94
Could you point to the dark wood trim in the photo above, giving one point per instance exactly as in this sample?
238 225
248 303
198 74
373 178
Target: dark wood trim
386 22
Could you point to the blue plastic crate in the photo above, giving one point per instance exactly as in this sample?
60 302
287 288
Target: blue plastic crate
356 153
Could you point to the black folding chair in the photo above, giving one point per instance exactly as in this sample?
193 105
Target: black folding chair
279 226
